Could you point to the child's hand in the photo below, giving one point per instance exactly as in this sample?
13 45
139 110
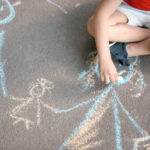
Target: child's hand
108 71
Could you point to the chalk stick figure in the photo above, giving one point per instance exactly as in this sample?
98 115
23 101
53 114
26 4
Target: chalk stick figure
4 20
88 79
36 93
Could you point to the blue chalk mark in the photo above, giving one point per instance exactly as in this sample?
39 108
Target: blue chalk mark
88 60
84 73
87 116
117 123
9 18
2 74
58 111
115 102
85 87
142 80
141 131
97 70
11 15
134 144
1 8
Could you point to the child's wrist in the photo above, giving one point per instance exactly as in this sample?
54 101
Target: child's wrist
105 57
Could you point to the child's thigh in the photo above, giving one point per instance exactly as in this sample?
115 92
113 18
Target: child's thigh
117 17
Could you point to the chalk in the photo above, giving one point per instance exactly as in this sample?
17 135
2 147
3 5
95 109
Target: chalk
117 122
17 3
120 79
36 93
89 131
1 8
58 6
77 5
2 74
11 15
87 116
115 103
141 140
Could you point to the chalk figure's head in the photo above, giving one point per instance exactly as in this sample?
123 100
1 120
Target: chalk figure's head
39 88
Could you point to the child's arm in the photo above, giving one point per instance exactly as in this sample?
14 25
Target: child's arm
101 28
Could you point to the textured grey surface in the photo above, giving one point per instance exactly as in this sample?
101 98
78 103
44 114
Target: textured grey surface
43 42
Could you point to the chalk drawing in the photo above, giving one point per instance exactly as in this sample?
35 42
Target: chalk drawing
17 3
141 141
77 5
82 139
85 131
58 6
11 15
1 8
2 63
147 146
5 4
82 129
36 93
81 136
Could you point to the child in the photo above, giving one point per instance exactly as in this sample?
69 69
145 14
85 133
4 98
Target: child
121 22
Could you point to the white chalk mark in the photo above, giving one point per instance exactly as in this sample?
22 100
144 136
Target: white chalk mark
120 79
147 145
122 72
38 112
77 5
36 92
58 6
17 3
138 141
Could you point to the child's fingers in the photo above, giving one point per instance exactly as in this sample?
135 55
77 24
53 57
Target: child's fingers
102 77
113 79
116 78
107 80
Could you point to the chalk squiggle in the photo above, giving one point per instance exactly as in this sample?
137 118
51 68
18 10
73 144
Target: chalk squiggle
58 6
2 74
7 19
11 15
115 104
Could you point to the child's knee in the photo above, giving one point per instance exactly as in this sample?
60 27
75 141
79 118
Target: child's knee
90 29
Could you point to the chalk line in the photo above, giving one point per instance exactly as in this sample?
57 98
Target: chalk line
11 15
87 116
58 6
2 74
17 3
88 131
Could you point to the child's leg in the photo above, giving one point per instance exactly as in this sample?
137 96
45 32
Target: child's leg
116 17
124 32
139 48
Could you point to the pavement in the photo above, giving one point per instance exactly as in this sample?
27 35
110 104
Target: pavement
50 91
